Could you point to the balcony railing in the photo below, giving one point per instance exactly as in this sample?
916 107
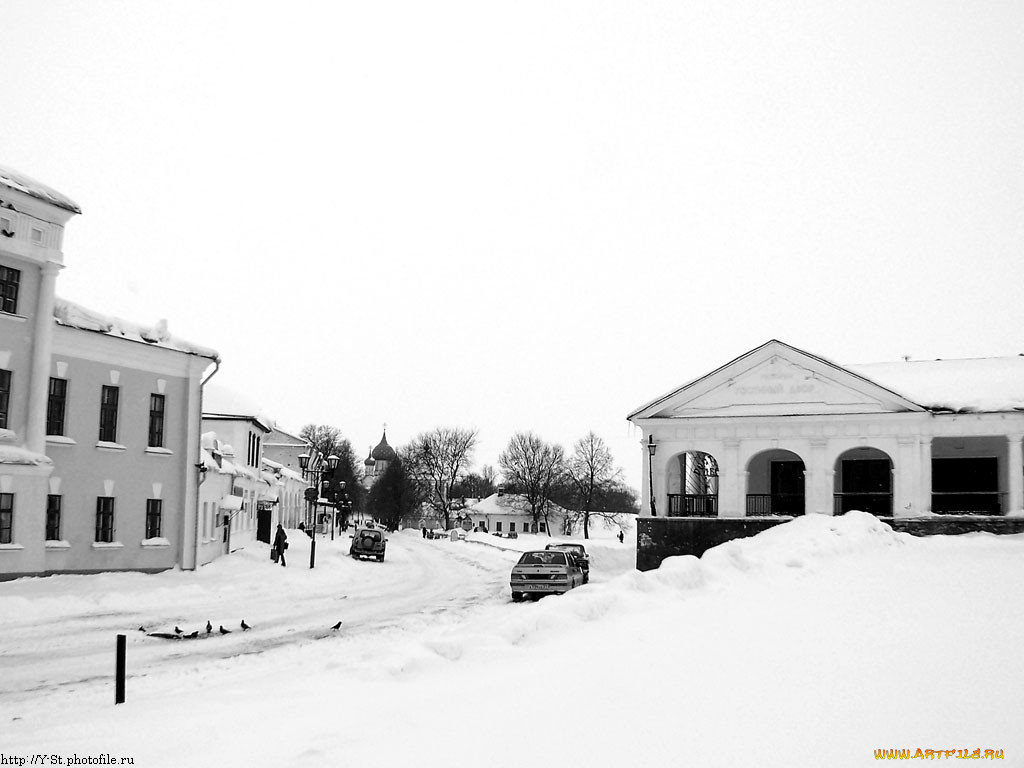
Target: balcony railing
692 505
967 503
766 504
878 503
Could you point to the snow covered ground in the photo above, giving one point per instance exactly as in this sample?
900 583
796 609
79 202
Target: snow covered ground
812 644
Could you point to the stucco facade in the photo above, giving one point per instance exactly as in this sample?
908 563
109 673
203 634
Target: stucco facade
237 494
99 420
781 432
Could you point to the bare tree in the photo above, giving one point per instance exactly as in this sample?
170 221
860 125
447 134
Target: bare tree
590 470
477 485
438 460
533 468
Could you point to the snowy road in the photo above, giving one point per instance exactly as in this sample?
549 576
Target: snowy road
53 642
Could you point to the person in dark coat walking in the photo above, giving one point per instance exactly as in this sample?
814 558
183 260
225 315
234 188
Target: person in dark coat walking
621 536
281 543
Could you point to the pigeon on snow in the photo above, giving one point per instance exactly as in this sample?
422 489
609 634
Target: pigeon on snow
337 626
209 627
245 626
177 630
224 631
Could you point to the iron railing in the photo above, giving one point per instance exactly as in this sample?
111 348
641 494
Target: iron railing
767 504
874 502
692 505
967 503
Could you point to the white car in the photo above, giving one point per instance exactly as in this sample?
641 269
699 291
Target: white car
545 572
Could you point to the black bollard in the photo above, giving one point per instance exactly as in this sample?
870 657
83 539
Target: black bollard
312 553
119 683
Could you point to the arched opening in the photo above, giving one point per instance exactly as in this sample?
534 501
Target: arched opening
863 481
693 485
775 484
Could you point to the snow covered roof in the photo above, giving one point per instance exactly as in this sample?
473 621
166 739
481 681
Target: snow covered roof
282 470
223 402
76 316
984 384
505 504
26 184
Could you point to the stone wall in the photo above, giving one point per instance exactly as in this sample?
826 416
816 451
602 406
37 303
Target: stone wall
661 537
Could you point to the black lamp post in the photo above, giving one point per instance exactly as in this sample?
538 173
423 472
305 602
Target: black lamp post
341 503
652 448
314 476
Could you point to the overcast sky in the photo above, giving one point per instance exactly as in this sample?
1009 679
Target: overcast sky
529 215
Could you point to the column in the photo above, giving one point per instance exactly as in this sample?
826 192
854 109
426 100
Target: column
42 347
924 504
731 498
1015 466
904 492
817 494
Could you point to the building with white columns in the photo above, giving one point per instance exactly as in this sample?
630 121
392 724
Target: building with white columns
99 418
935 446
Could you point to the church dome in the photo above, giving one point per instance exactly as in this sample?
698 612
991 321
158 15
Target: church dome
369 460
383 451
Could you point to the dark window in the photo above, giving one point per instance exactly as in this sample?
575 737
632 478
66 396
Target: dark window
5 396
154 508
104 518
866 476
511 527
56 405
968 486
53 517
497 526
156 421
6 517
972 475
9 281
108 414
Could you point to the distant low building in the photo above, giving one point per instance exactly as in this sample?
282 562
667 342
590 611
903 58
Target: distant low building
507 513
242 496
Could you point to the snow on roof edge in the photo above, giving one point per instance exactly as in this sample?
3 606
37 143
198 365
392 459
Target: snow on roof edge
75 315
19 182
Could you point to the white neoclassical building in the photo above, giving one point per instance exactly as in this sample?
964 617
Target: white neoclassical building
933 445
99 417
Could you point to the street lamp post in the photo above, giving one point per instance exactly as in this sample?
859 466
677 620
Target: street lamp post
315 475
652 447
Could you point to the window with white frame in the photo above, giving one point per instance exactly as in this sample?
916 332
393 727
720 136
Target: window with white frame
6 518
10 281
53 504
105 519
5 396
156 421
154 516
56 405
108 414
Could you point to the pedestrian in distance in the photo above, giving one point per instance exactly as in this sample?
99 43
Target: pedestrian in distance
621 536
281 543
424 531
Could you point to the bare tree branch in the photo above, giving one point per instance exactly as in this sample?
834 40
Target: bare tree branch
438 460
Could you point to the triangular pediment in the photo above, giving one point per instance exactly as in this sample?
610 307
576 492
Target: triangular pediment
775 380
